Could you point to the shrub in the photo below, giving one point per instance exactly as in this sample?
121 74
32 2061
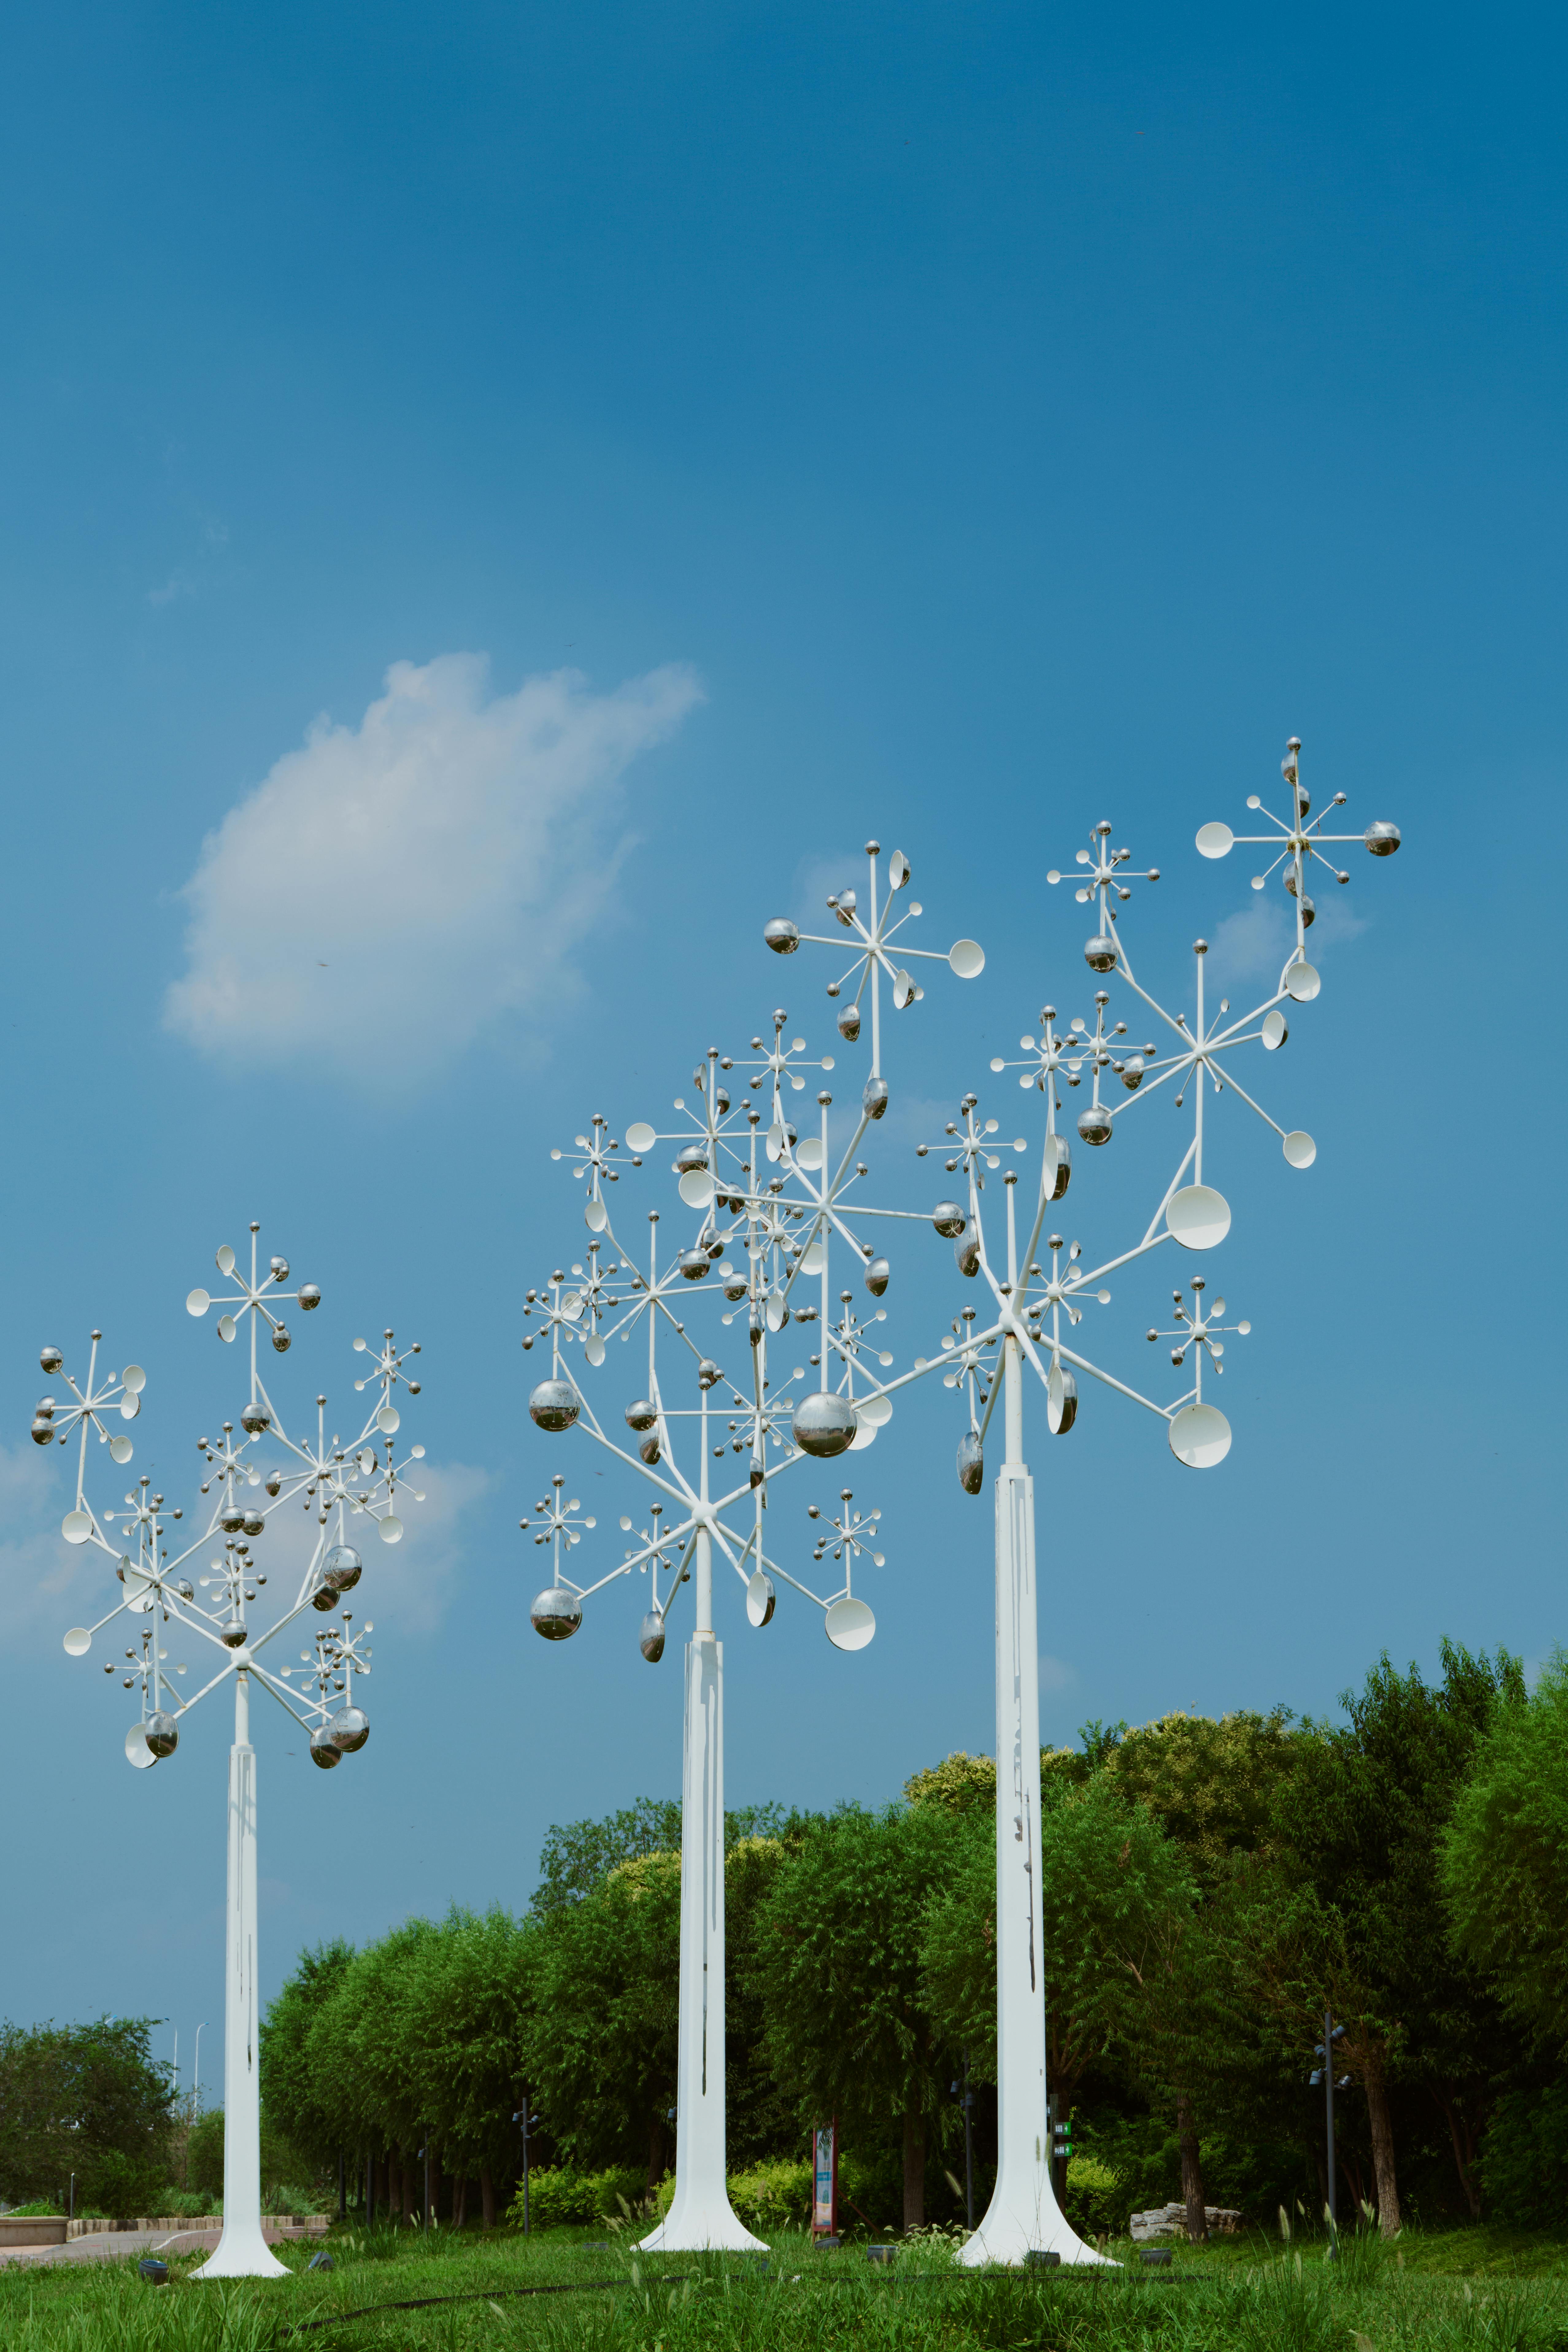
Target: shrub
1096 2198
774 2194
49 2205
114 2184
559 2196
187 2204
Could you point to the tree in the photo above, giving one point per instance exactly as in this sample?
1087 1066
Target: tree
292 2083
837 1946
1361 1819
87 2099
1503 1857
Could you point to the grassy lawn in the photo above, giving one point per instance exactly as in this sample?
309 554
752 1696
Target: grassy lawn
1479 2288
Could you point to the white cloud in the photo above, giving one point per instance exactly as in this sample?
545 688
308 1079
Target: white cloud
1254 943
407 1587
47 1582
1055 1675
392 887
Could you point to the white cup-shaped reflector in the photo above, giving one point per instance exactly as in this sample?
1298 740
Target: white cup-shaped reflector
133 1379
1299 1149
1302 982
226 1260
874 1410
760 1598
391 1529
76 1526
595 1216
137 1751
864 1435
848 1624
226 1326
967 958
1274 1032
388 1419
1200 1436
809 1153
79 1640
814 1257
120 1449
197 1302
1198 1216
697 1188
1215 840
640 1136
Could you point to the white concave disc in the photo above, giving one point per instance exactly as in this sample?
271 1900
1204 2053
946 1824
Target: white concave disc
388 1419
777 1312
1198 1216
226 1260
809 1153
848 1624
76 1526
777 1139
760 1598
967 958
875 1410
197 1302
1200 1436
120 1449
133 1378
137 1751
697 1188
79 1640
904 989
595 1216
226 1326
898 870
1299 1149
864 1435
391 1529
1058 1167
1302 982
814 1257
595 1350
1274 1032
640 1136
1215 840
130 1407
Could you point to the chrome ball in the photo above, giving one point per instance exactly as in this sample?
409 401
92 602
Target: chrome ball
279 1269
693 1264
255 1417
1381 837
309 1294
1309 912
1094 1123
324 1748
640 1415
232 1635
273 1482
877 1275
231 1518
735 1287
281 1340
556 1614
824 1424
849 1023
708 1373
51 1360
162 1734
949 1220
1099 954
650 1640
1133 1073
255 1524
1288 878
324 1598
555 1404
349 1730
648 1450
342 1566
692 1156
970 1462
874 1097
782 935
966 1253
43 1430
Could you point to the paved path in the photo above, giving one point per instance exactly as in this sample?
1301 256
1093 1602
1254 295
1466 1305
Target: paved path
114 2245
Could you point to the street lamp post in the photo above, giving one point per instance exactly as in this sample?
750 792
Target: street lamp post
254 1475
1325 2075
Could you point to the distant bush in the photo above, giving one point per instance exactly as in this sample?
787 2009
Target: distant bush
288 2197
560 2197
774 2194
1524 2158
49 2205
1096 2198
187 2204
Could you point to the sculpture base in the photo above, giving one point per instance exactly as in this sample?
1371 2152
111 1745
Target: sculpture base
1016 2227
705 2225
242 2253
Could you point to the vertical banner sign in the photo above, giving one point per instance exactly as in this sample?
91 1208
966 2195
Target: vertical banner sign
825 2183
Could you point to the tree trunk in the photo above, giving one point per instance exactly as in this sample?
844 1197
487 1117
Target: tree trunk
1382 2165
1465 2151
487 2197
1191 2170
914 2170
460 2199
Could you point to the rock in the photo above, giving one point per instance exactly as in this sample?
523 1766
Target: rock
1171 2221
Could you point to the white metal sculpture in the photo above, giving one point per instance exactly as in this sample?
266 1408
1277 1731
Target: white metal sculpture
255 1473
770 1219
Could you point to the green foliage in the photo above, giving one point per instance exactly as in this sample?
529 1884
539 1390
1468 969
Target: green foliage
290 2081
1524 2158
1096 2198
1504 1857
776 2195
85 2099
1209 1782
559 2196
203 2153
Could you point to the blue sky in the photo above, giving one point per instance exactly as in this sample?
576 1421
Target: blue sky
950 423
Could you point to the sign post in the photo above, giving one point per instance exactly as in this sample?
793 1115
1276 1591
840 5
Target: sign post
825 2184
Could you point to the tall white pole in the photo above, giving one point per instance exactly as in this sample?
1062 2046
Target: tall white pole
699 2215
242 2251
1022 2216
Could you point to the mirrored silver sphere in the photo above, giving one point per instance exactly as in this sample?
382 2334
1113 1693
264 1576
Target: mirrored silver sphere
824 1424
309 1294
1099 954
43 1430
349 1730
555 1405
949 1220
707 1372
1094 1123
874 1097
324 1597
691 1156
693 1264
231 1518
970 1462
782 935
232 1635
877 1275
849 1023
342 1566
736 1288
324 1748
556 1614
1381 837
648 1450
50 1358
255 1417
281 1340
1133 1073
163 1735
966 1253
650 1640
640 1415
253 1523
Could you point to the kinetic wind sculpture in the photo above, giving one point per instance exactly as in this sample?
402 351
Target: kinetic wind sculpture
771 1236
255 1473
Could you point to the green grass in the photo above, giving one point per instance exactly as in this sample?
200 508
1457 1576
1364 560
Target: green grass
1461 2291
